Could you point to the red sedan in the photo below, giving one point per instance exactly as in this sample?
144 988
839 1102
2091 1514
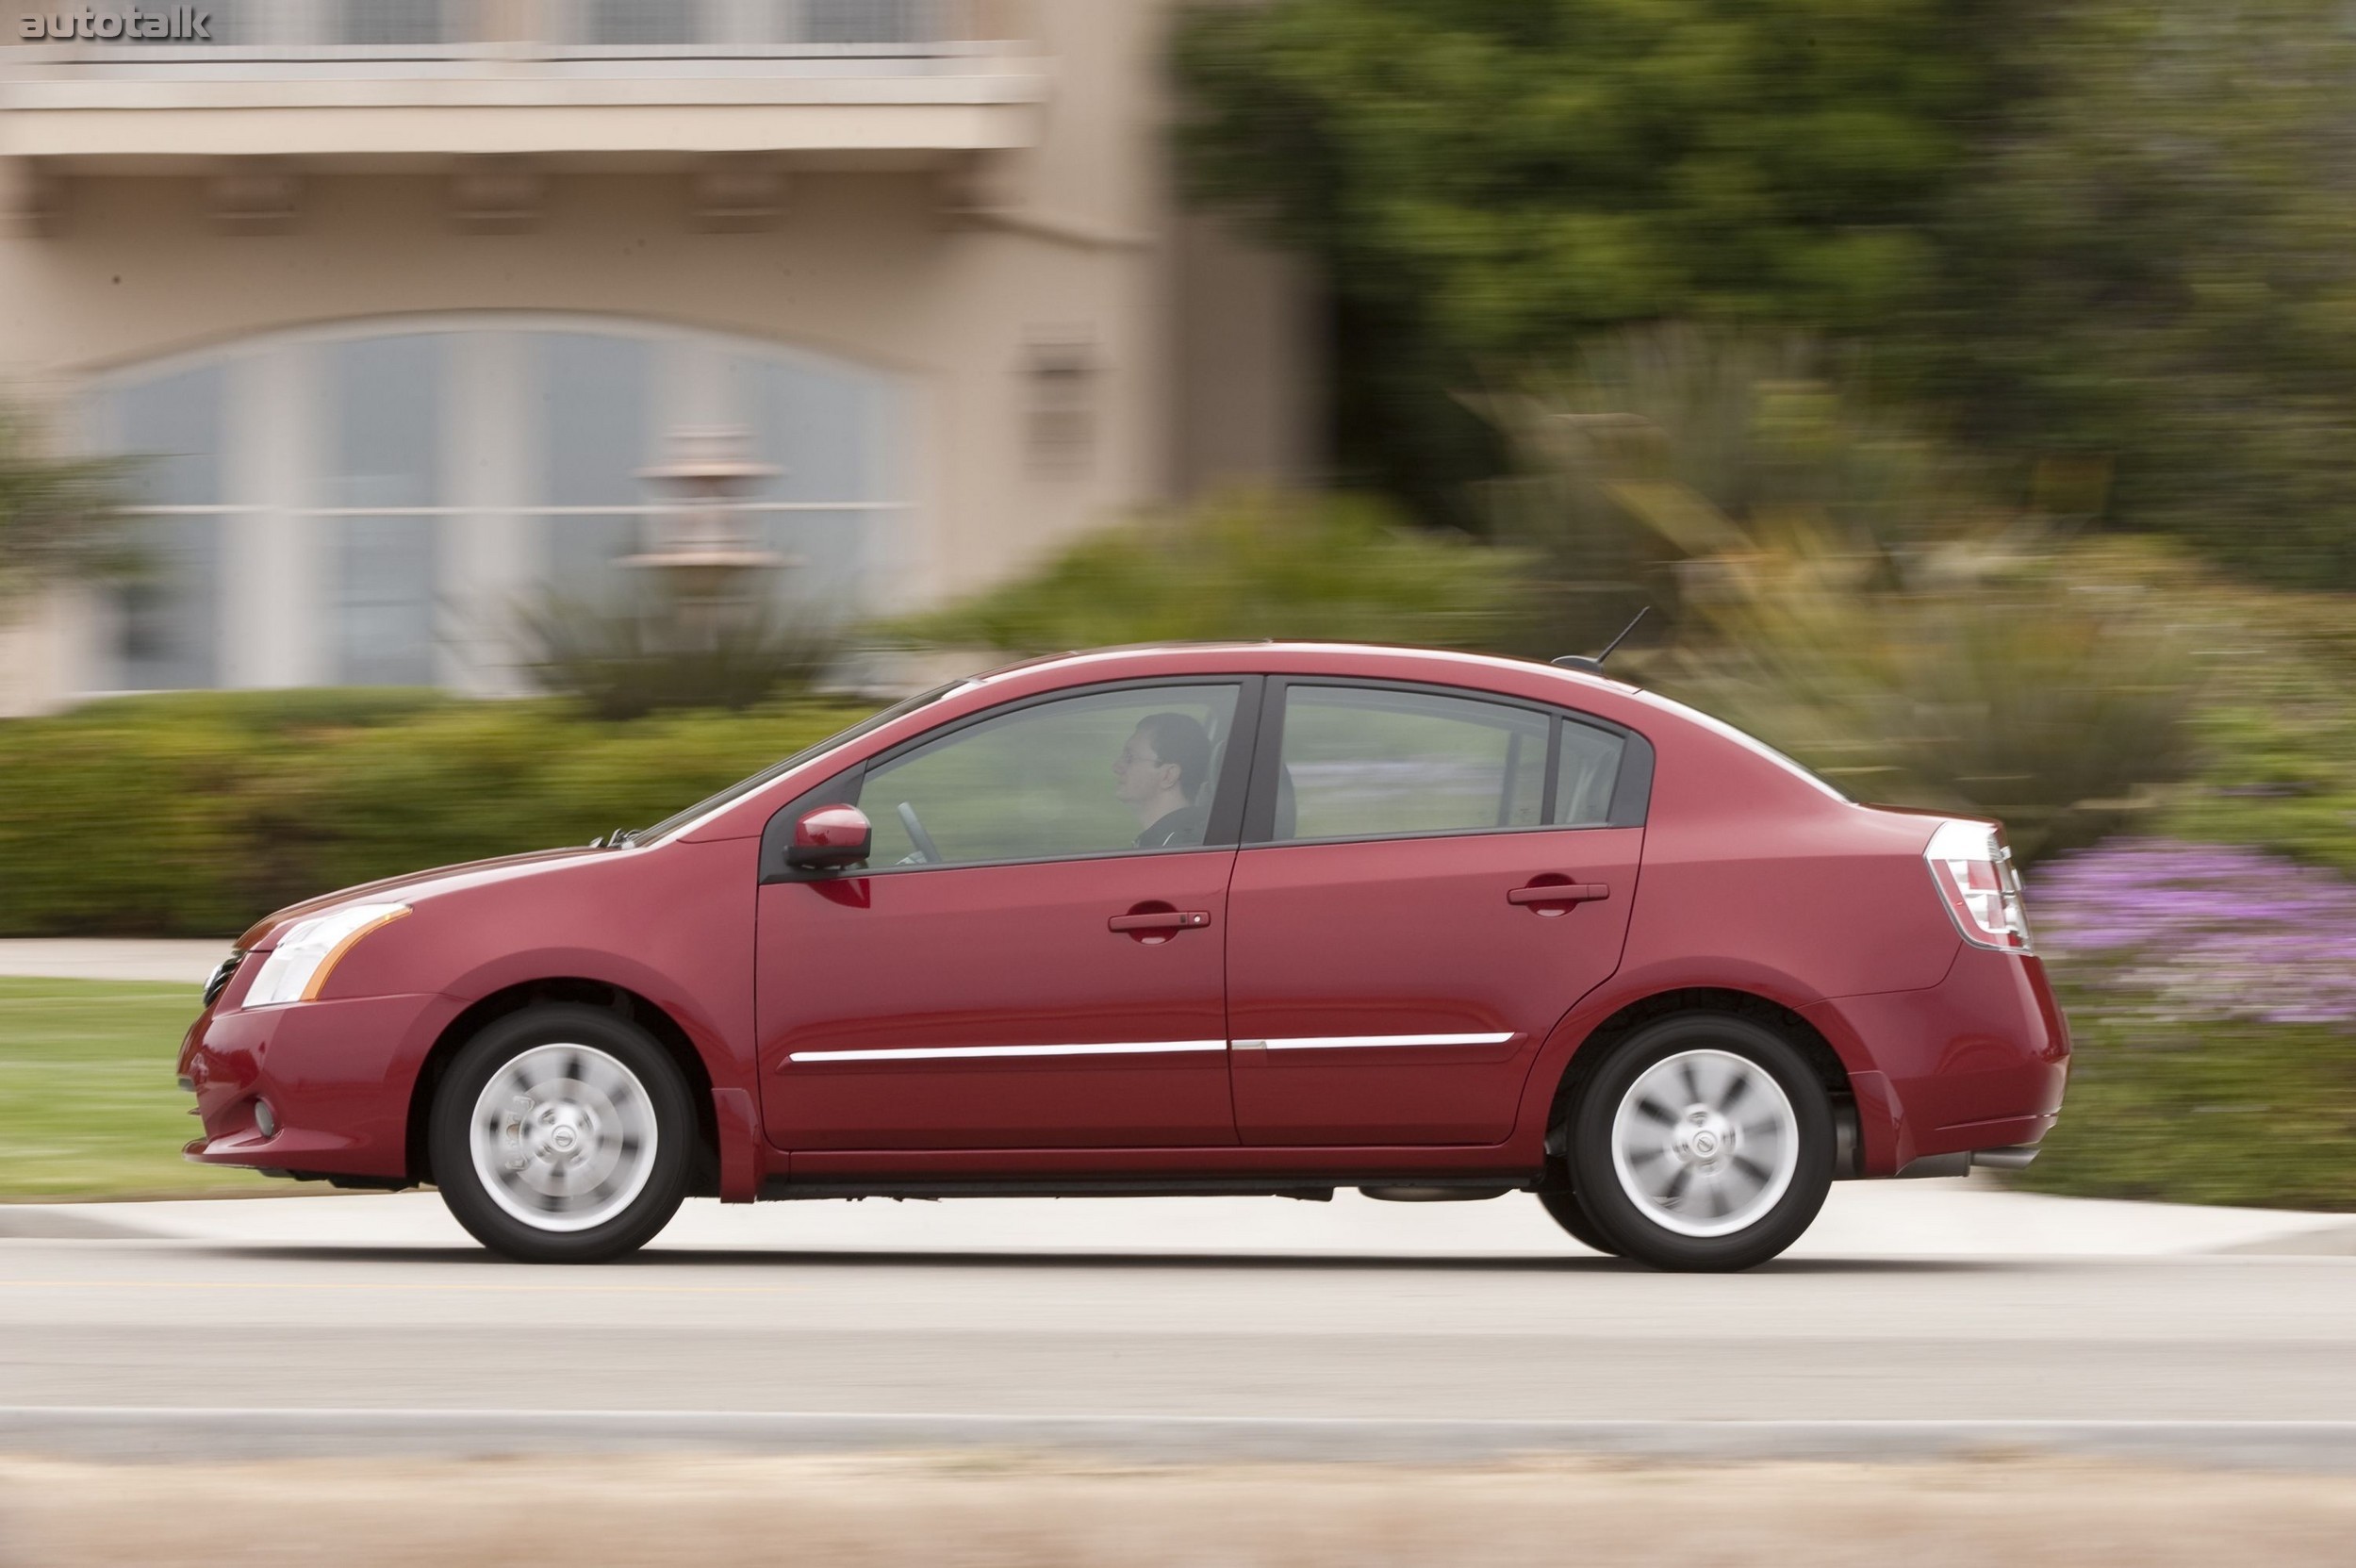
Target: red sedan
1253 919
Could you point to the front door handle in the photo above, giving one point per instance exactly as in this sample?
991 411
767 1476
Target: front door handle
1161 919
1554 898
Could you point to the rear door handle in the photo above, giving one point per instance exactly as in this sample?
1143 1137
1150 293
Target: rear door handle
1166 919
1558 892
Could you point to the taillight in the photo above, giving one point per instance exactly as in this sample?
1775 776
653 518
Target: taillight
1973 868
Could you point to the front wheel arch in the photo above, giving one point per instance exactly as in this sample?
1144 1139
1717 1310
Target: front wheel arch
703 1175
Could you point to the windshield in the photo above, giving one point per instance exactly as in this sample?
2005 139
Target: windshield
743 787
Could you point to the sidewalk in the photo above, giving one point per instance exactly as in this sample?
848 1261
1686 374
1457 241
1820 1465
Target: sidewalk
109 958
1970 1216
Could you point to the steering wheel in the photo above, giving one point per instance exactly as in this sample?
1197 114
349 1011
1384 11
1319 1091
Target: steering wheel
917 835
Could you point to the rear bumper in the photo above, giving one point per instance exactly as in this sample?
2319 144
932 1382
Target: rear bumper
336 1076
1976 1062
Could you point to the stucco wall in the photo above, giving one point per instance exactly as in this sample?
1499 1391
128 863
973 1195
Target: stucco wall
950 272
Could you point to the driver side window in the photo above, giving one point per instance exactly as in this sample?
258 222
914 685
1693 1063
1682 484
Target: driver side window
1133 768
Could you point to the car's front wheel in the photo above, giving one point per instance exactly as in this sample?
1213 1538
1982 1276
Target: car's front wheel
1705 1141
562 1133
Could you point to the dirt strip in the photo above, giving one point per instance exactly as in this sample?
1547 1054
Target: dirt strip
1011 1510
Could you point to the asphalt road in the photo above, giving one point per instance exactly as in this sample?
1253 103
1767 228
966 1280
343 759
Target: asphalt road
198 1326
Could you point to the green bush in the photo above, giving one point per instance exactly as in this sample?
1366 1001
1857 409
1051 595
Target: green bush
2020 692
1674 442
2278 742
1249 565
190 815
1840 587
2206 1110
641 654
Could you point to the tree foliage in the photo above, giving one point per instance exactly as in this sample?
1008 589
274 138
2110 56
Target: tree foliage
2155 268
60 518
1491 179
1531 169
2108 241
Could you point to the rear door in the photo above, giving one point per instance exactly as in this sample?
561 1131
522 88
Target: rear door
1430 879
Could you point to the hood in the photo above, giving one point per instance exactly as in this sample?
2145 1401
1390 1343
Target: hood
440 879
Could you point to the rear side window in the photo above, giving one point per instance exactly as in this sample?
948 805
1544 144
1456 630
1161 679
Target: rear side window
1586 774
1367 761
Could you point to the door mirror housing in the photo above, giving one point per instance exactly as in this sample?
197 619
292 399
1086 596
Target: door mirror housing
831 838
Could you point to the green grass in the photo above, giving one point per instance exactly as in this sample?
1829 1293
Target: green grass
88 1105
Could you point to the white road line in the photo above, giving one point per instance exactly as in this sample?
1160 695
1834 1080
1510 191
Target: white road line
207 1432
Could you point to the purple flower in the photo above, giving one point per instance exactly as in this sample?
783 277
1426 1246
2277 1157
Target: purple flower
2204 930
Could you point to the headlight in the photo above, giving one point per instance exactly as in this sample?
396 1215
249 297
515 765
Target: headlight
305 956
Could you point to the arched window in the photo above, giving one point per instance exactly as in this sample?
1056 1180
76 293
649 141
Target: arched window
367 504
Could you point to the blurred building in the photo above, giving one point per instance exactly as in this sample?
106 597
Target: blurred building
402 301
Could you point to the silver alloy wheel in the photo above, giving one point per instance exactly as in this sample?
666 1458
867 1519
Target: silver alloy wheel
1705 1142
563 1137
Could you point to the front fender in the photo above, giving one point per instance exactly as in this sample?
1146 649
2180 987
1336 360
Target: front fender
727 1057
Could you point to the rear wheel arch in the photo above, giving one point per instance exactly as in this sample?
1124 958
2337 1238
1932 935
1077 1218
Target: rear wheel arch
1795 1030
703 1179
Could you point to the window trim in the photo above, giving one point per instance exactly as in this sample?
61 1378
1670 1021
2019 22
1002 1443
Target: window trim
1220 836
1631 794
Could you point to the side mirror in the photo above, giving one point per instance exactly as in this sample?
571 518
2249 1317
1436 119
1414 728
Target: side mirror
831 838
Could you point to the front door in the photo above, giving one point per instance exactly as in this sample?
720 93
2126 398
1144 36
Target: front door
1034 958
1437 879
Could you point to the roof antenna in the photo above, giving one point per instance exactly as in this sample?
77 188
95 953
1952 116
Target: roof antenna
1580 661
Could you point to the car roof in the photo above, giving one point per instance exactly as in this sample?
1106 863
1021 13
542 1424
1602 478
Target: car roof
1277 656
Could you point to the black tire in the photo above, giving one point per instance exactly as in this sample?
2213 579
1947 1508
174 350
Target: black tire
1646 1226
1568 1211
647 1099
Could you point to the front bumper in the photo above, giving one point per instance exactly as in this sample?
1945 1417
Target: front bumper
337 1077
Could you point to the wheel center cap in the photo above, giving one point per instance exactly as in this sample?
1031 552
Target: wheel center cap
563 1139
1702 1139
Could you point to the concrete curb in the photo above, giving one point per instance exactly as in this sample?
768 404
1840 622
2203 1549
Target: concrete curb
161 1434
62 1223
1961 1218
2337 1241
110 959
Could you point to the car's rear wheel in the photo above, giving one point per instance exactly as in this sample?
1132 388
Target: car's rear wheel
563 1133
1568 1211
1705 1141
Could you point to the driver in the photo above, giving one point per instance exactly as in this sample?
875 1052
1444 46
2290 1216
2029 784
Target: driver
1160 775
